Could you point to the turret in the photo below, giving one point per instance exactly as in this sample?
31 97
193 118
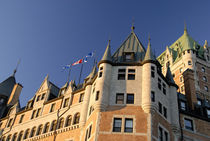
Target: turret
87 95
104 79
148 73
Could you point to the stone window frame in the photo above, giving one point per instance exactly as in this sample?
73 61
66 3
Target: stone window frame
204 79
100 73
21 118
125 98
123 117
203 69
66 102
88 131
52 107
164 130
193 124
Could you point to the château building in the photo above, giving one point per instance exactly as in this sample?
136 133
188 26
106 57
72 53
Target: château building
129 95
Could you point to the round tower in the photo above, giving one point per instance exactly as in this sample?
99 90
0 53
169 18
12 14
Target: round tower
148 80
103 80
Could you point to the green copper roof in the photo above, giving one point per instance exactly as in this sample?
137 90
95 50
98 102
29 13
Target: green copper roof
107 54
185 42
7 85
131 44
149 55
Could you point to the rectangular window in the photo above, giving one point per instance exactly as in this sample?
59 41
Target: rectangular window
89 134
33 114
131 74
97 95
100 72
43 95
165 112
164 88
208 113
38 98
120 98
159 83
153 71
160 107
21 118
121 74
38 112
183 105
130 99
152 96
81 98
10 122
160 134
165 136
117 125
129 125
52 109
66 102
188 124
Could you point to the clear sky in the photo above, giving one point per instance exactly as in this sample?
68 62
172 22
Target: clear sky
47 34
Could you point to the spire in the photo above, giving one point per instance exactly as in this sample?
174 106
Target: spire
92 73
169 76
132 27
107 54
15 70
185 28
149 55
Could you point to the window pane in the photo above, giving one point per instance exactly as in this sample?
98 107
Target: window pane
128 125
117 125
188 124
120 98
130 98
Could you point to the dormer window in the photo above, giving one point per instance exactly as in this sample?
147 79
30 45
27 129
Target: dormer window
128 56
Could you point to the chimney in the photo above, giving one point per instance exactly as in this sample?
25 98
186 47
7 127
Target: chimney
189 84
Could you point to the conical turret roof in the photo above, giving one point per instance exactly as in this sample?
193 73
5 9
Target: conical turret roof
169 76
107 54
149 54
7 85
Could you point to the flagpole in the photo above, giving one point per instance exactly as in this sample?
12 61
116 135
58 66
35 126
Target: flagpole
80 72
68 78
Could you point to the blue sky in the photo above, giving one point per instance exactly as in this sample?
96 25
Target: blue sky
47 34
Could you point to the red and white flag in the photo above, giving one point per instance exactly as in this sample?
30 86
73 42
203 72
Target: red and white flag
78 62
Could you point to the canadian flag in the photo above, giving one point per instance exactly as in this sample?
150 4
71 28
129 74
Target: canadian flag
78 62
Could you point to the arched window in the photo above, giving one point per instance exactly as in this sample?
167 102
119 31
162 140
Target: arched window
39 130
20 136
14 137
76 118
189 63
204 78
46 128
203 69
61 121
33 131
206 88
68 121
26 134
53 125
9 137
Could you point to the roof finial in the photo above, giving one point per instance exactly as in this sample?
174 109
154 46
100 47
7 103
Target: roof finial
15 70
185 27
132 27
